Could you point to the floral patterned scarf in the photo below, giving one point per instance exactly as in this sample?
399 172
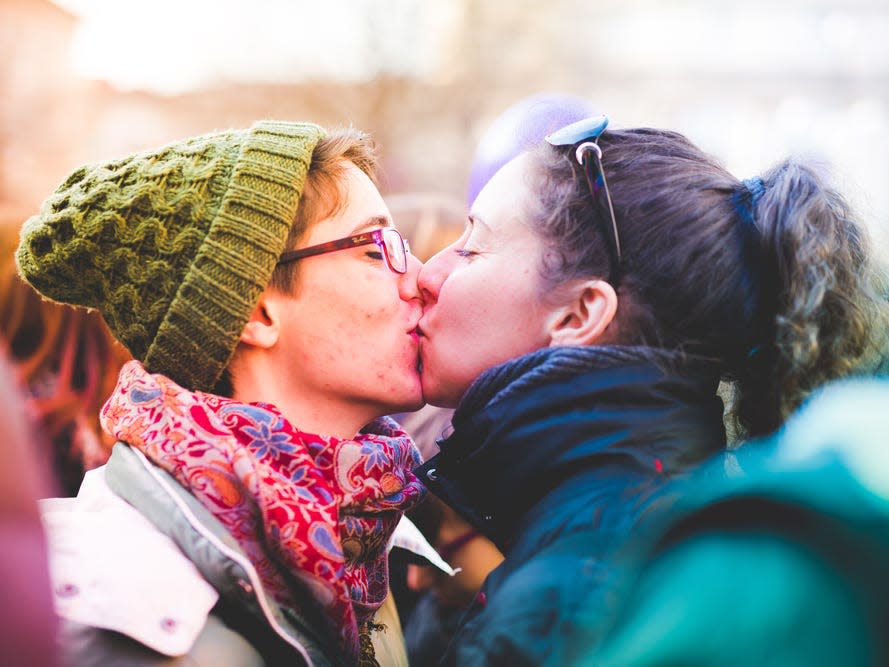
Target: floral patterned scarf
314 514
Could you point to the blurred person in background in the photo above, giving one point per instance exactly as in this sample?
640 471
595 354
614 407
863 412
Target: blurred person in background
520 127
787 564
430 221
28 625
68 361
607 281
444 597
270 307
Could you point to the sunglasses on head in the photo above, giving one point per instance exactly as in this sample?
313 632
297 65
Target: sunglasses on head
583 136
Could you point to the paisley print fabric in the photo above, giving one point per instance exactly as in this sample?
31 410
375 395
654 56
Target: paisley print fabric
314 514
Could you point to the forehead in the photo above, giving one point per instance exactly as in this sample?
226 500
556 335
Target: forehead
360 202
502 201
355 186
330 189
362 199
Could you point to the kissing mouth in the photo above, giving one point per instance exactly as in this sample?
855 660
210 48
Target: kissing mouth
417 334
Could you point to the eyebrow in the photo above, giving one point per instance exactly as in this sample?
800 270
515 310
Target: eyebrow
371 223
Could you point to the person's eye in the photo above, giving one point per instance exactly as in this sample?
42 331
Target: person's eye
463 252
374 254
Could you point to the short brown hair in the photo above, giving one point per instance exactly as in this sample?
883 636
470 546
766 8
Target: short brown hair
779 305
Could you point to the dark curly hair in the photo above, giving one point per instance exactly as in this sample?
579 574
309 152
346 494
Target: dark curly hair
779 290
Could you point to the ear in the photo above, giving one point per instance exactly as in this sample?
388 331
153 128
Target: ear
264 326
588 312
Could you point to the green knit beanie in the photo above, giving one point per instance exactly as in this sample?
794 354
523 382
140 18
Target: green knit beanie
174 246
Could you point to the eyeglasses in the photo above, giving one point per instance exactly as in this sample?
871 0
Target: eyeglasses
584 136
391 243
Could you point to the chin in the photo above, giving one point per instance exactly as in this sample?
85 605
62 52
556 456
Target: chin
415 404
410 399
435 394
404 405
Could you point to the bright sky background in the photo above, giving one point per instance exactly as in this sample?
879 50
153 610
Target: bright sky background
171 46
174 46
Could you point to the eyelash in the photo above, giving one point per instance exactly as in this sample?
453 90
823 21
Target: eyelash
462 252
374 254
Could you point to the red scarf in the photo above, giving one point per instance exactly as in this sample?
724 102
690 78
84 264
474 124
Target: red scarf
314 514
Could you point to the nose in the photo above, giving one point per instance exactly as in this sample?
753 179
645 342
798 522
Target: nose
419 578
407 281
431 277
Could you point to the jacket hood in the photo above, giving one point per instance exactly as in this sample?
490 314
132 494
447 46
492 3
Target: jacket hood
596 428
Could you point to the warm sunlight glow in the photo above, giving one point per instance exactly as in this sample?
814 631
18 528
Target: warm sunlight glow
171 46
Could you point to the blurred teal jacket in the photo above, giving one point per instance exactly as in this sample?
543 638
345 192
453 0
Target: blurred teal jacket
787 564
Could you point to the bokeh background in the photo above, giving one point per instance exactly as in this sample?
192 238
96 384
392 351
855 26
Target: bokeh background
84 80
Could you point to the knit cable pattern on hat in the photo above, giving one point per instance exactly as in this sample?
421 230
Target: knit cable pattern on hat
174 246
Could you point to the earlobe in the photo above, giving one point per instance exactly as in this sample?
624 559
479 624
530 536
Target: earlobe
263 327
586 316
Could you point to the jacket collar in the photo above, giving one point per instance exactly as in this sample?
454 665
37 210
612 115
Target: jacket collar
213 551
585 426
112 569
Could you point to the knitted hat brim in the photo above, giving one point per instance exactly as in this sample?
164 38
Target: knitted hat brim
199 334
